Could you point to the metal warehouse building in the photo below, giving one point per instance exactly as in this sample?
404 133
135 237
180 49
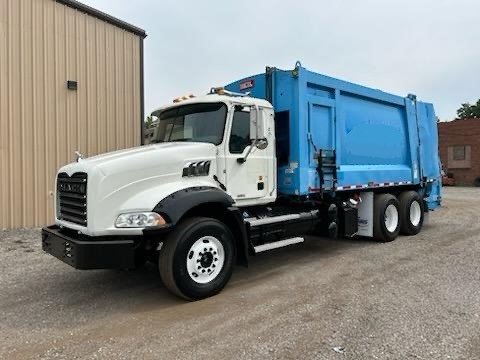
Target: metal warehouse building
71 78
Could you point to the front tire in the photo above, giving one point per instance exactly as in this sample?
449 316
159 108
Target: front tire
411 213
196 260
386 218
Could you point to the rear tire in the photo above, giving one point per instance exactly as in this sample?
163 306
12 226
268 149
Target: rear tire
386 218
411 213
196 260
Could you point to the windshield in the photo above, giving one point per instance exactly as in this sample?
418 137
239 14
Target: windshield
196 122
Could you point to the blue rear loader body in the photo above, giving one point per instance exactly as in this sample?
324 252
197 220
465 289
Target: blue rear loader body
372 138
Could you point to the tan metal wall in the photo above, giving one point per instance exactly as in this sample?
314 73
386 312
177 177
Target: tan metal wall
42 45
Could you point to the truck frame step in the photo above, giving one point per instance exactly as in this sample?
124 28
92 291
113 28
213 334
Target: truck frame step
278 244
272 220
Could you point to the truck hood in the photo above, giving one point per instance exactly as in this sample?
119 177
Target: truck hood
156 159
136 180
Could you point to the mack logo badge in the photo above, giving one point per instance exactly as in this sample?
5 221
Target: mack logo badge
72 188
247 84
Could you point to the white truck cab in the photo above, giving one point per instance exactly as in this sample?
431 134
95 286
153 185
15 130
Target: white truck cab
240 127
213 157
201 142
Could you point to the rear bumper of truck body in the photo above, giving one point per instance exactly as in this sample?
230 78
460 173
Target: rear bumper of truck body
86 253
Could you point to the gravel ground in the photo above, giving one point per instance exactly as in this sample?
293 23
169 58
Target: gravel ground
418 298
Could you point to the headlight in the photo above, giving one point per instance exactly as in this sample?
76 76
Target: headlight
139 220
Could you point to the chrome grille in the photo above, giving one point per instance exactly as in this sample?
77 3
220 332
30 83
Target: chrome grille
72 198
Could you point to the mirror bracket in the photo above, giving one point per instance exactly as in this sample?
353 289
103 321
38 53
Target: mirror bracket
260 144
244 159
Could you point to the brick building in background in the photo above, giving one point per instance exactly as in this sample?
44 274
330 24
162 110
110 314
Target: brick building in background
459 143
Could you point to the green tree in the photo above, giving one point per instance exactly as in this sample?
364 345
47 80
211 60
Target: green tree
468 111
148 122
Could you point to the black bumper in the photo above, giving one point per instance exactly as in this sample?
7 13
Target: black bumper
86 253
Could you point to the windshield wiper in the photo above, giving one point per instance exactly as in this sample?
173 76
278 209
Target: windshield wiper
181 140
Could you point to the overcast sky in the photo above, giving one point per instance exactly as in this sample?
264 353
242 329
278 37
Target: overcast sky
430 47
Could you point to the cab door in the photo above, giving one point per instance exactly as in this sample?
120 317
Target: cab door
249 181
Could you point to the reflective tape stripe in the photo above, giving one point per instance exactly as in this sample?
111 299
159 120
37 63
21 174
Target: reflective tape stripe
372 185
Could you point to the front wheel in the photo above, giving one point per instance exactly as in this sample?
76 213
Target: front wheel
196 260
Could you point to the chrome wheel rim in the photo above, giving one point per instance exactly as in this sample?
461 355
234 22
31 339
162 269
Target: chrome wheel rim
415 213
391 218
205 259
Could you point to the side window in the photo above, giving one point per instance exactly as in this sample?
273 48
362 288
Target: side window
240 136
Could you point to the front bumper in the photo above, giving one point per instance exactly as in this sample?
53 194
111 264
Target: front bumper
87 253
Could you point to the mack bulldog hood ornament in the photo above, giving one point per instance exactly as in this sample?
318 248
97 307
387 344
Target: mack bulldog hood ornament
78 156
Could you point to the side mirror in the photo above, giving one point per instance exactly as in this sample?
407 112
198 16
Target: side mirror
257 132
257 123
